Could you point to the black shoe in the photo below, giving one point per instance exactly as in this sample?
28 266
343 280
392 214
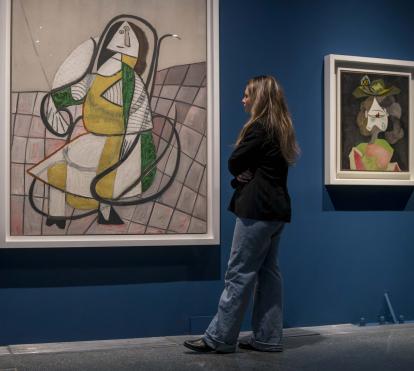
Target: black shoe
198 345
60 223
248 346
114 218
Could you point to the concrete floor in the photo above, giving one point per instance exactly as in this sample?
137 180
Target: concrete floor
331 348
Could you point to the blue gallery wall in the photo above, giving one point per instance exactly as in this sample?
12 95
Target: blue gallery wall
345 245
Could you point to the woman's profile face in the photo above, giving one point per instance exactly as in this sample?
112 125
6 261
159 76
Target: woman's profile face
247 103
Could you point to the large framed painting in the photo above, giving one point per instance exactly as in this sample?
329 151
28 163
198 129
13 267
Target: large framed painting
110 122
368 121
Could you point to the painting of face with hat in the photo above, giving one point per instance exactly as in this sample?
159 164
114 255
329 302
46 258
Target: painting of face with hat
373 121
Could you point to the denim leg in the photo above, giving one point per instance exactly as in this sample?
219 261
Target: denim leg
267 318
251 242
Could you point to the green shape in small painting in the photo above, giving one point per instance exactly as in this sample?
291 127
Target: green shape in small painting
373 162
362 147
384 144
370 163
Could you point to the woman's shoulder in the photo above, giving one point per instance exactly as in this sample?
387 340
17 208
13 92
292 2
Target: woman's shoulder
255 132
258 127
259 124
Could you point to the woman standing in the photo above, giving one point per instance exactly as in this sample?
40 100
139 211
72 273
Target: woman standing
265 148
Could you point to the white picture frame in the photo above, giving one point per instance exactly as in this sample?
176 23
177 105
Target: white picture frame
212 235
336 173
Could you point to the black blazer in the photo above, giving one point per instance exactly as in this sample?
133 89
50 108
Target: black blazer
265 196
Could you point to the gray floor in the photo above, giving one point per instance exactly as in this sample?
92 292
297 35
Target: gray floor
331 348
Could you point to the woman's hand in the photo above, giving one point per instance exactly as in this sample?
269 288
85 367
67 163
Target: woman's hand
245 176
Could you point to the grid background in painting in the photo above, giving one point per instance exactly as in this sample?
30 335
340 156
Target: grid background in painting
179 92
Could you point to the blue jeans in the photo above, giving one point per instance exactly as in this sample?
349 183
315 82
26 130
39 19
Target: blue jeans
253 266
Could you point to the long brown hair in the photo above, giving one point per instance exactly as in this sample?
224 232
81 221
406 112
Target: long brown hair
270 108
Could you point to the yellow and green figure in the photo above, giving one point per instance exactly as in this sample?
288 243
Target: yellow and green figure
114 159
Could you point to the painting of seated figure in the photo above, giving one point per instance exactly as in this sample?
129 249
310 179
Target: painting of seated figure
374 119
108 124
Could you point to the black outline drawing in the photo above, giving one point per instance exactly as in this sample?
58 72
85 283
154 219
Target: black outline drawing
150 81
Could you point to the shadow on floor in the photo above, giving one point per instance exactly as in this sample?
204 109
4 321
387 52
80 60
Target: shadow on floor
302 341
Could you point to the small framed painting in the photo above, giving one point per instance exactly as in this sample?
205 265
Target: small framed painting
368 121
110 123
